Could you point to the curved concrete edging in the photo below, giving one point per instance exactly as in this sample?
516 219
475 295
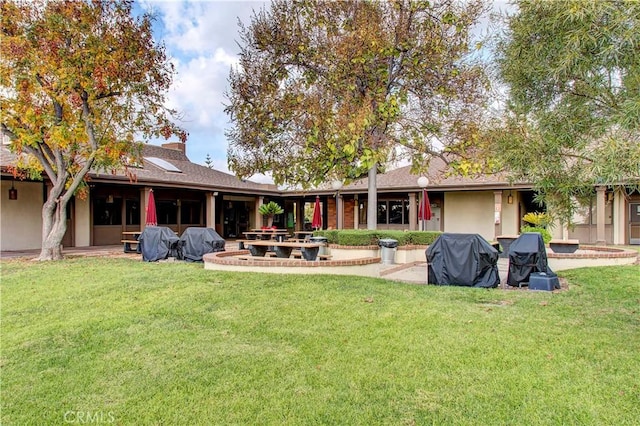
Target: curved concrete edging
228 261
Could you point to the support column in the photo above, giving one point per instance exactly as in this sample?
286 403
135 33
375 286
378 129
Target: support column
144 197
413 212
618 218
210 220
497 200
600 219
356 212
339 211
257 217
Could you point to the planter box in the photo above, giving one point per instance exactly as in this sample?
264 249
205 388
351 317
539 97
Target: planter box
564 246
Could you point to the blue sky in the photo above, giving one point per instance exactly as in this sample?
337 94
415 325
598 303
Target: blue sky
200 37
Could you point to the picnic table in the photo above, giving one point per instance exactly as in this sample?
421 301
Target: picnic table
283 249
266 234
130 241
302 235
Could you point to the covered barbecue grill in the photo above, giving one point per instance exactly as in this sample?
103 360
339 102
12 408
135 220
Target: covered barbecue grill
157 243
196 242
463 260
527 254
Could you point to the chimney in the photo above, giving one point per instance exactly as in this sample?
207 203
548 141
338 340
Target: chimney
177 146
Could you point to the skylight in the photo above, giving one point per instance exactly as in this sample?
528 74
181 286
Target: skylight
163 164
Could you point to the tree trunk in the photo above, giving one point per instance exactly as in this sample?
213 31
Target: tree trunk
54 225
372 199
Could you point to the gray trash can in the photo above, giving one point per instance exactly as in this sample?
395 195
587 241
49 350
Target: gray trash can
388 255
325 243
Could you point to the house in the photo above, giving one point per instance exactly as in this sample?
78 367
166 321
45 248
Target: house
188 194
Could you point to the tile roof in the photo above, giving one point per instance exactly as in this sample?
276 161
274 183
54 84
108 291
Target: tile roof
402 179
192 175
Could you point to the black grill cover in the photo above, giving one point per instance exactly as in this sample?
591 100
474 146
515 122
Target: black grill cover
157 243
464 260
527 254
195 242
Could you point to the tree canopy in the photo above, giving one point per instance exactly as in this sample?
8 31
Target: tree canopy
79 79
330 90
573 73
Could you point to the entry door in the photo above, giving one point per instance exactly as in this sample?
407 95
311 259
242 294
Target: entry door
634 223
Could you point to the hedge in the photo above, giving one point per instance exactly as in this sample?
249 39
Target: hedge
366 237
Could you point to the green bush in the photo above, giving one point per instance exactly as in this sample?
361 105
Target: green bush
366 237
546 235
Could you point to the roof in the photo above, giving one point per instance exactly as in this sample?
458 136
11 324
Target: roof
195 176
191 175
402 178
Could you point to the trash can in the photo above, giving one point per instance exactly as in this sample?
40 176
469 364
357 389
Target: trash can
325 243
388 255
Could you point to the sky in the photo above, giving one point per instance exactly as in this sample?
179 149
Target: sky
201 38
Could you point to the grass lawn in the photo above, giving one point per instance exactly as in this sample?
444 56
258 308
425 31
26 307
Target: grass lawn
125 342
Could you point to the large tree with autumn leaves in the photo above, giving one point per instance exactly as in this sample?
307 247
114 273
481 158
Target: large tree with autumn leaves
79 80
330 90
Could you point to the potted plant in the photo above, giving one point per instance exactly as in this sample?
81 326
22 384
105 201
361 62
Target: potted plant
269 210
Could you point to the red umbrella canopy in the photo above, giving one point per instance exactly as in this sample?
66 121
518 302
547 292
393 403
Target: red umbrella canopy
424 210
317 215
152 218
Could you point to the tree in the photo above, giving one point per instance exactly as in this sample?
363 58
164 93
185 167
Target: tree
79 79
330 90
208 161
573 73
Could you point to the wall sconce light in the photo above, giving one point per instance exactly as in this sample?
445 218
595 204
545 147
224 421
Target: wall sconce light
509 198
13 192
109 199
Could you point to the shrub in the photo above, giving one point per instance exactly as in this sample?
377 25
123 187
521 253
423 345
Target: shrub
537 219
546 235
366 237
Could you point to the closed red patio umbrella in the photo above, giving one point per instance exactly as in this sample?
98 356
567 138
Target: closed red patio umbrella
152 218
424 209
316 223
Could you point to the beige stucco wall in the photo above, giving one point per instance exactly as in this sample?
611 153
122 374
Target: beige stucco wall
470 212
82 222
21 220
510 219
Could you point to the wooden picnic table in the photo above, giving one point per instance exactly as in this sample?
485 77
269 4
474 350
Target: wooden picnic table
266 234
283 249
303 235
130 241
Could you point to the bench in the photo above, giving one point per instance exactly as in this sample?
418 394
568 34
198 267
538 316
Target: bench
130 241
282 249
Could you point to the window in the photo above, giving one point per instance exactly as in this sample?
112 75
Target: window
394 212
382 212
107 211
167 212
586 212
132 212
190 212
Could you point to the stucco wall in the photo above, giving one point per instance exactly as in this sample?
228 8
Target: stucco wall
470 212
82 222
20 220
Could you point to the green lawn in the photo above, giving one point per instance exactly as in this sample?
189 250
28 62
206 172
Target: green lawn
125 342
